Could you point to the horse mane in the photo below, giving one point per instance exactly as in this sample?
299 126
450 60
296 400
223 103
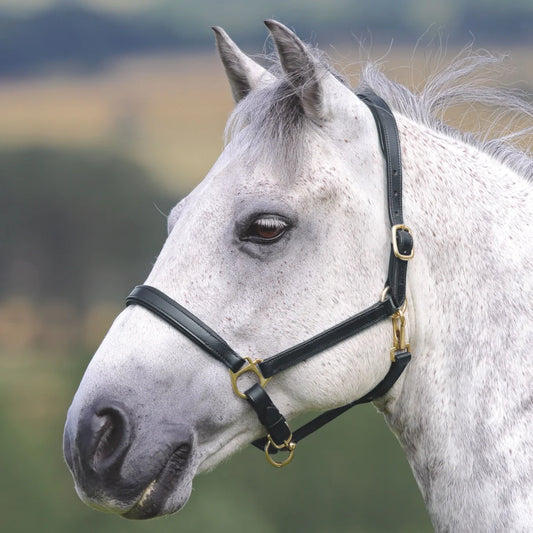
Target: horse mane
269 122
274 114
467 81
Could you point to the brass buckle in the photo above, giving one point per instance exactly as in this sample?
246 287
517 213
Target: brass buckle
287 446
399 342
250 367
397 253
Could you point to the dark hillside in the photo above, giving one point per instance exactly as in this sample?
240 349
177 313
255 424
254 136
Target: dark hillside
76 225
77 38
74 37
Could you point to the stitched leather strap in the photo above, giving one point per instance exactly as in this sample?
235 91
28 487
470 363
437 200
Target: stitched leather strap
202 335
390 146
332 336
397 273
191 326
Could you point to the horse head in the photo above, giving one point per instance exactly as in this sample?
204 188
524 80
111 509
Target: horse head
286 236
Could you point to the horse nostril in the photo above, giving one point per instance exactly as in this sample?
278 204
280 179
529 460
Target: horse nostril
104 437
110 435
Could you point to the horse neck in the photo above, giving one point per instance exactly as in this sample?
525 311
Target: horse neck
464 408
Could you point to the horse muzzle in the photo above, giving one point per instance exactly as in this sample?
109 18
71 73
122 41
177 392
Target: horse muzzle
119 466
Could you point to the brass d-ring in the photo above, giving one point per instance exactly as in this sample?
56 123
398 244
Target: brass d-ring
287 446
251 366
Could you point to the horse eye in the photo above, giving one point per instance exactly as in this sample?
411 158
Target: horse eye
265 230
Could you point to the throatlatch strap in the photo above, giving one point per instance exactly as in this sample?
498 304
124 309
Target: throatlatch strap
395 371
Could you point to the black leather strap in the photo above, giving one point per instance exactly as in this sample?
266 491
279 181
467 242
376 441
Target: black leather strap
397 273
268 414
191 326
202 335
332 336
390 146
395 371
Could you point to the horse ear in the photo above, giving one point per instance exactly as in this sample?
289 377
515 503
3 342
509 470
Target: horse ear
243 73
304 73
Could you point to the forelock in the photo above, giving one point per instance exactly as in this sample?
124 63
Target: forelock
271 121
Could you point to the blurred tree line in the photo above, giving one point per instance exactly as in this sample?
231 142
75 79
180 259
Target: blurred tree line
77 228
68 34
76 225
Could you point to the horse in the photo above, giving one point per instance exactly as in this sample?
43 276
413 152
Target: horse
286 237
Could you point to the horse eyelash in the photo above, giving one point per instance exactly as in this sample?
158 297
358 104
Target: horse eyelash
266 223
270 223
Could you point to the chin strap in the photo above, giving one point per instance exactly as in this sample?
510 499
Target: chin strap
391 305
395 371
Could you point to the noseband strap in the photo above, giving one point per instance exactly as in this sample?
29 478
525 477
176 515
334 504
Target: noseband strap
391 305
185 322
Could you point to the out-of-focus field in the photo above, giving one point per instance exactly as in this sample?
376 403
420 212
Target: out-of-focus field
168 113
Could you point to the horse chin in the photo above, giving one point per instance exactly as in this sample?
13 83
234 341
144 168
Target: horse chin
169 491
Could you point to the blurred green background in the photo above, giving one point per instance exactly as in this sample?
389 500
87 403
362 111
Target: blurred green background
110 112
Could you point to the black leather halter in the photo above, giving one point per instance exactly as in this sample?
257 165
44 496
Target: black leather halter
391 305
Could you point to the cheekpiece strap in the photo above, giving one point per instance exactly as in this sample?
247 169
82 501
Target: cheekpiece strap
328 338
402 246
390 146
395 371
